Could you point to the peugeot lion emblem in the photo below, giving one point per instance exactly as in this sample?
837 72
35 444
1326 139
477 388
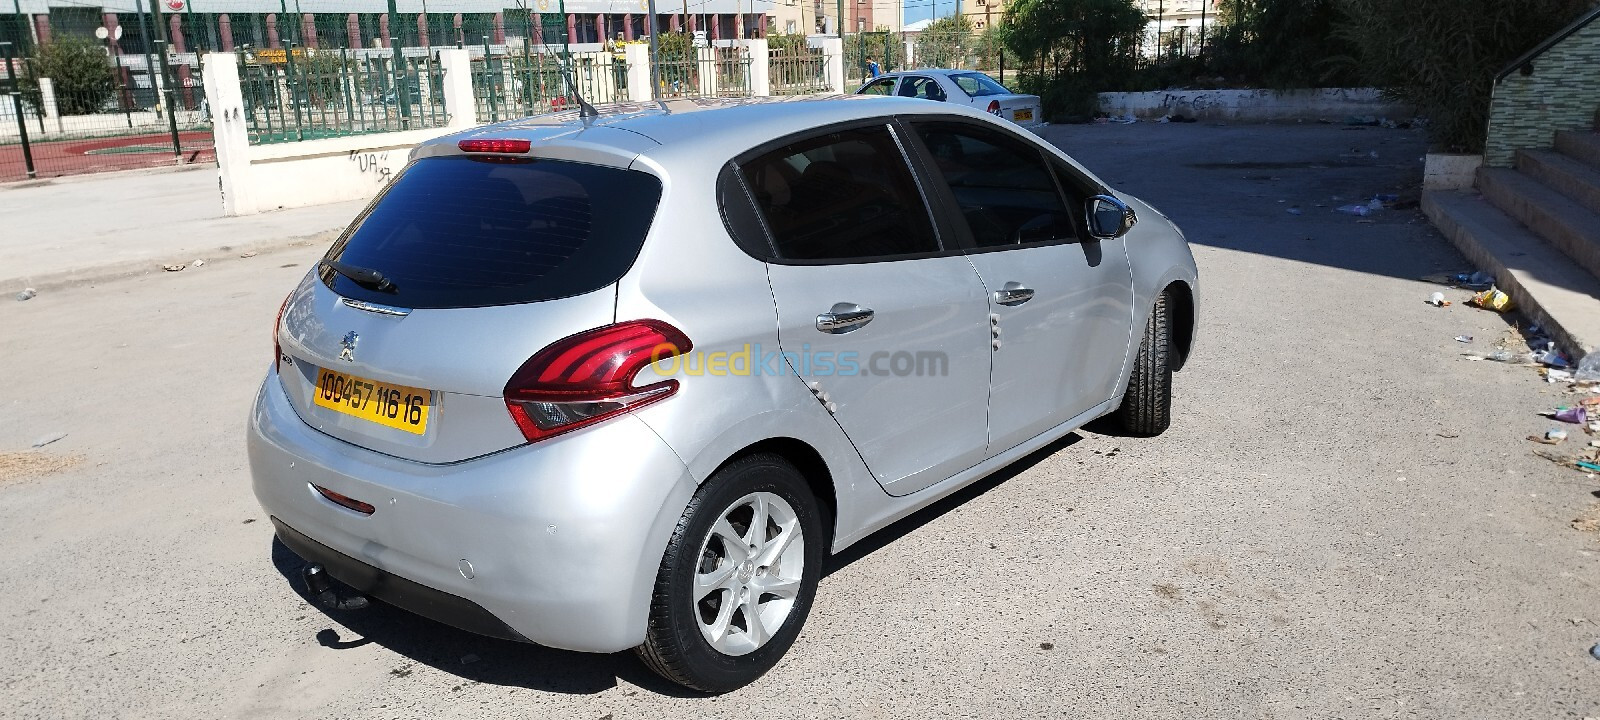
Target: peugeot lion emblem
348 354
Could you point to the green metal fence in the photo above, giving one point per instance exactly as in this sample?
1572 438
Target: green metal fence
801 72
511 82
303 94
715 72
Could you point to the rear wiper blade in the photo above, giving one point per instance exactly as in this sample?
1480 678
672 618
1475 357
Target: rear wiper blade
365 277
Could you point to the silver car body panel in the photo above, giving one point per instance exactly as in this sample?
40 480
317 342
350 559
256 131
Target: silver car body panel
565 535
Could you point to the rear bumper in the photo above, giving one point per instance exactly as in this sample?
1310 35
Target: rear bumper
559 542
397 591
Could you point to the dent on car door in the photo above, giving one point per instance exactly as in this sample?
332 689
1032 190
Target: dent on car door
889 329
1062 299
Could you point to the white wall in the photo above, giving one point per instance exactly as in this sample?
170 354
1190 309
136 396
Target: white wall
1331 103
261 178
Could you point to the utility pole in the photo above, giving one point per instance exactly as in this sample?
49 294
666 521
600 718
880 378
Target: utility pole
1161 10
655 56
1203 8
24 32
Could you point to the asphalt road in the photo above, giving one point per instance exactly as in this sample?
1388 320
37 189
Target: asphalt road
1344 520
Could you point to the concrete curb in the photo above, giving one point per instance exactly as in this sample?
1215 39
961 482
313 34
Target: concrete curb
95 274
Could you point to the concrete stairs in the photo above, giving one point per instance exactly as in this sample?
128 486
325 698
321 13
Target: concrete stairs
1536 227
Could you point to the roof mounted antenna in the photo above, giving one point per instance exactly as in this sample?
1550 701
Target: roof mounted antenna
585 110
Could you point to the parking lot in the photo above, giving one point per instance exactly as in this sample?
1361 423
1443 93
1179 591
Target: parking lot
1343 521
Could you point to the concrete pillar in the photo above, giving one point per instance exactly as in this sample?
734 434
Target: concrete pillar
708 70
761 30
124 79
308 30
716 27
600 28
225 29
638 57
572 28
422 28
41 29
760 67
738 26
627 26
455 29
184 73
459 104
272 31
499 28
692 27
832 48
352 31
675 24
47 97
229 129
383 29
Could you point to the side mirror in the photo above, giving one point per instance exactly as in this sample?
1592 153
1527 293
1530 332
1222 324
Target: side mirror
1109 217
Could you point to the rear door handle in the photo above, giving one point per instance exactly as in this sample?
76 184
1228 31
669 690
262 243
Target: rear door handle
1012 294
843 318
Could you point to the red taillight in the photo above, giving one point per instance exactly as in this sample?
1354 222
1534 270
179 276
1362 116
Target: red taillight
345 501
495 145
277 350
994 107
586 378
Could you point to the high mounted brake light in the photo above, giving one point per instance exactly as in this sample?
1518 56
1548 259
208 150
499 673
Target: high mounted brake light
495 145
586 378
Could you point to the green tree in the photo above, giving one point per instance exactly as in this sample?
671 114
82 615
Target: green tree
1442 57
1282 43
1068 50
1097 38
880 45
945 43
77 67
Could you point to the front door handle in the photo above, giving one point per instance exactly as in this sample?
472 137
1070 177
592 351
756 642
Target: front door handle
1012 294
843 318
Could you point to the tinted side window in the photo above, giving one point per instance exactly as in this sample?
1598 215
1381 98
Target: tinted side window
921 87
879 87
1003 187
841 196
457 232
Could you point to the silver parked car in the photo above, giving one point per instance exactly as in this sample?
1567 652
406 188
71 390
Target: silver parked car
960 87
626 381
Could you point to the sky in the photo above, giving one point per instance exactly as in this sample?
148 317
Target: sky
924 9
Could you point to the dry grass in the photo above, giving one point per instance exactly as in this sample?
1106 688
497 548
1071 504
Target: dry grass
16 466
1589 520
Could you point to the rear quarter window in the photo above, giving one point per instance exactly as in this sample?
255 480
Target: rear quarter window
457 231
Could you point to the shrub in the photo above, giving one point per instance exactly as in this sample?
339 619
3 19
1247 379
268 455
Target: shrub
1442 57
77 67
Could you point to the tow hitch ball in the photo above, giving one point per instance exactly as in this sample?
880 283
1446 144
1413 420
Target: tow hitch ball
321 588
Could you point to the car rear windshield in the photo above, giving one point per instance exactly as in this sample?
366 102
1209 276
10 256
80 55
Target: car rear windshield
978 85
456 231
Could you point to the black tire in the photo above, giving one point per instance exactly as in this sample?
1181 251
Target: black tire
674 647
1147 406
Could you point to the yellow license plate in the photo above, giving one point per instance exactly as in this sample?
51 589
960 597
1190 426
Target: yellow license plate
1022 115
398 406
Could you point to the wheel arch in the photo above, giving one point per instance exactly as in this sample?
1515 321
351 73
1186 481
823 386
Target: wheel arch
1181 312
812 467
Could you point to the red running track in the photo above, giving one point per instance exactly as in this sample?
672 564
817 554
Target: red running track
75 157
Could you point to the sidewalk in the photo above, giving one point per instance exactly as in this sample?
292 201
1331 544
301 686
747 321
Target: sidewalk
87 229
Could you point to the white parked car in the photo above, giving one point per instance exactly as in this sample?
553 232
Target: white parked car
964 87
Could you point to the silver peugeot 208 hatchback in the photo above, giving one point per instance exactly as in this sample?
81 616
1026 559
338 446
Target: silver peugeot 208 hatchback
625 381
